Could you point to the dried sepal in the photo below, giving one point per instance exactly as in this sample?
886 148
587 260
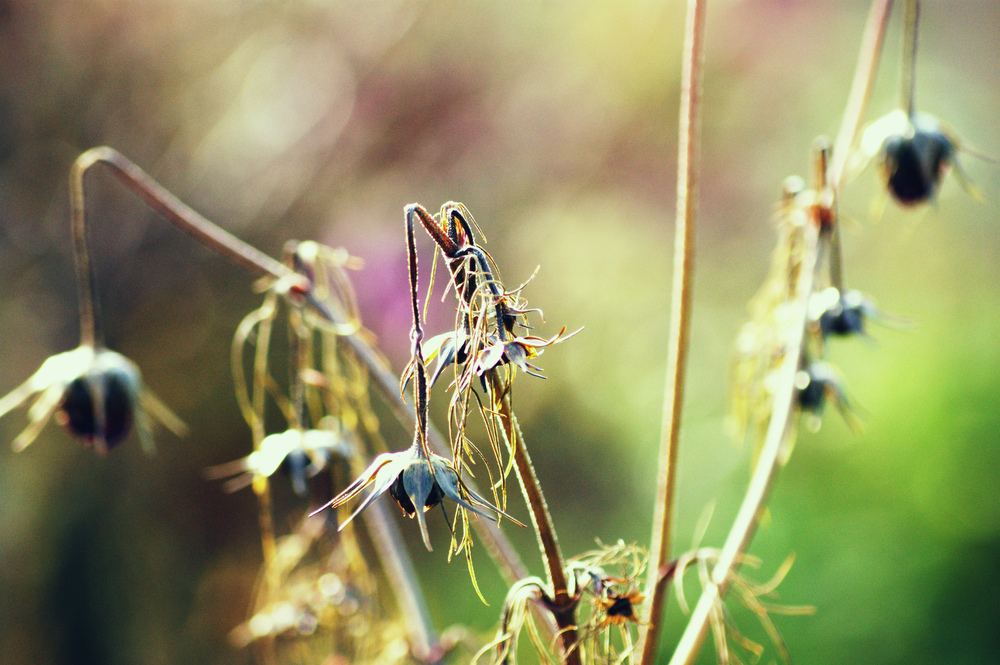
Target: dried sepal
752 595
515 617
516 352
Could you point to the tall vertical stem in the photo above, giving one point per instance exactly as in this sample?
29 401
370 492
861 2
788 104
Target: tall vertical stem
680 322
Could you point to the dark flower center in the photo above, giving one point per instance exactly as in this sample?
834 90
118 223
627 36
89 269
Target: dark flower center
113 385
398 492
621 607
915 165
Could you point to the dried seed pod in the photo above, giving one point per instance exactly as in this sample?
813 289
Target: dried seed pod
99 397
417 483
913 153
841 314
813 384
301 454
818 383
100 405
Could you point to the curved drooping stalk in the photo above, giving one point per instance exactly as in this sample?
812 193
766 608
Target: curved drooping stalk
167 205
257 263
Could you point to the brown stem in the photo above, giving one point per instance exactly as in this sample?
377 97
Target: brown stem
680 325
565 607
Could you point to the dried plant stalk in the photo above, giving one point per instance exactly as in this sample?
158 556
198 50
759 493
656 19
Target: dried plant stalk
680 325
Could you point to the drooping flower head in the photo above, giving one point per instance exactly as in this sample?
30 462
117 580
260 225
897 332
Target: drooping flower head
416 478
98 395
913 152
418 483
302 453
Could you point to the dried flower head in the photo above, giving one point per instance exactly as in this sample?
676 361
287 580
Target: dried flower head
417 483
98 395
913 152
610 589
841 314
816 384
302 454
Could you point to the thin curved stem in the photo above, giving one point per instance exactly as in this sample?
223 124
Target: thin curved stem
416 338
857 105
565 608
90 334
861 89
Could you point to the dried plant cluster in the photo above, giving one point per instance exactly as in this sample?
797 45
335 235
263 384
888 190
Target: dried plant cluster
340 586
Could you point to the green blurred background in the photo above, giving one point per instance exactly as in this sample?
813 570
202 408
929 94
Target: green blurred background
555 124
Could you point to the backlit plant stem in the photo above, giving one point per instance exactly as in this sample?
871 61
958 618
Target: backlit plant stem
781 426
680 325
564 611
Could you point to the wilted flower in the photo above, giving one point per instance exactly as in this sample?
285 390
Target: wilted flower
99 396
302 453
817 383
841 314
914 153
417 483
